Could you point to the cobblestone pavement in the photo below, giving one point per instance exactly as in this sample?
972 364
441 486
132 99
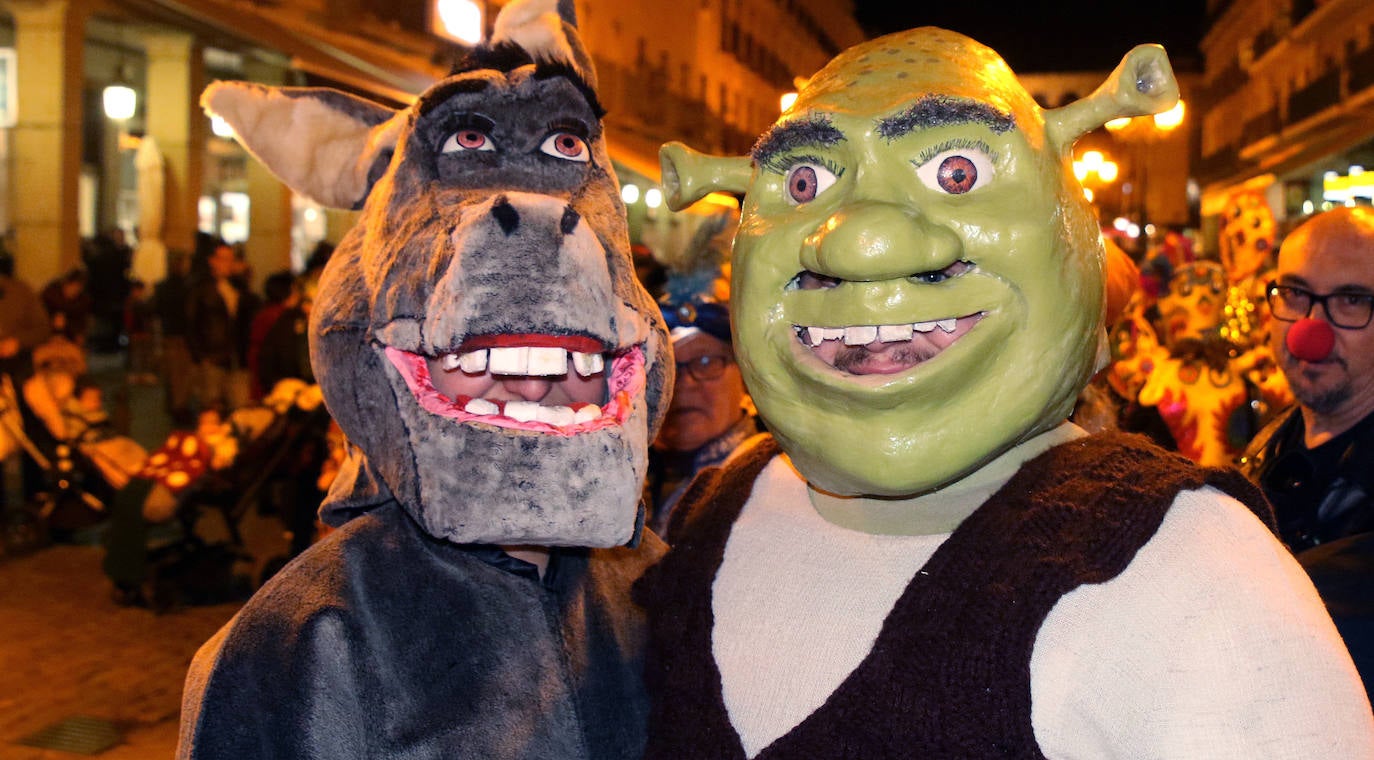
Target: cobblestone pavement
67 650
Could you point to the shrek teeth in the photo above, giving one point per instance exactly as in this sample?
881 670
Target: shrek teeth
891 333
862 335
536 361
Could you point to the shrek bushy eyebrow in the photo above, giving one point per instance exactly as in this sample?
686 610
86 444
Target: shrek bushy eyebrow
944 110
792 135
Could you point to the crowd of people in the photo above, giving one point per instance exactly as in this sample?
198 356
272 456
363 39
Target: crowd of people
216 346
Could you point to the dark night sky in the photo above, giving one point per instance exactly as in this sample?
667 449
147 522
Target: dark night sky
1036 35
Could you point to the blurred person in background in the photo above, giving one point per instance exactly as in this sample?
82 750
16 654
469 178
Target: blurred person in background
219 315
169 312
69 305
280 293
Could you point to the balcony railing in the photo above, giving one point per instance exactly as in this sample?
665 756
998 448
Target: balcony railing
1361 68
1323 92
643 100
1220 165
1261 126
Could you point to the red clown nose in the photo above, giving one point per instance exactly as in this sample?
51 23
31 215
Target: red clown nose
1310 339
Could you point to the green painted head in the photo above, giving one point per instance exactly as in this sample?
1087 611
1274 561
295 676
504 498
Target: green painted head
917 279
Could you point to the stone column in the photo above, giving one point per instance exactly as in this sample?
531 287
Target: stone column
268 248
176 76
45 144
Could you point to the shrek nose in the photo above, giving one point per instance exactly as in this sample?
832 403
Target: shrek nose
1310 339
878 241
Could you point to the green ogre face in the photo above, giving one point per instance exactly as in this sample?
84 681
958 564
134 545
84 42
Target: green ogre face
917 278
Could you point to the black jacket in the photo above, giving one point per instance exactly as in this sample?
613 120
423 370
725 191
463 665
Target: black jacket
212 334
1318 496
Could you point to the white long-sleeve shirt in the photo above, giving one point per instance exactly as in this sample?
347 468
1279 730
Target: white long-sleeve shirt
1211 644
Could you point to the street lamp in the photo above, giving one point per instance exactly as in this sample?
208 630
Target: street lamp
457 20
120 100
1141 132
1094 168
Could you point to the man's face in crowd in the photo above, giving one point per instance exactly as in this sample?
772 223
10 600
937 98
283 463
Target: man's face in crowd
223 262
1333 253
702 409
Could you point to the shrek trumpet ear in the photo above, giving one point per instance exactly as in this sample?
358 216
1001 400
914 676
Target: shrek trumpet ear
1143 83
688 176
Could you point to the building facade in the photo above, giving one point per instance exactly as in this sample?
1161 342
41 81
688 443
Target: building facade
708 72
1288 89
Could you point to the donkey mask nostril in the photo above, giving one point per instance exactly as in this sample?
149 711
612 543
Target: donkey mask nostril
569 221
505 215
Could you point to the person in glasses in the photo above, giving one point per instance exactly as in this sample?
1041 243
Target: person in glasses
710 415
1315 462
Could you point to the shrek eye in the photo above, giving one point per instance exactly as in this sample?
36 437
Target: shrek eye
806 181
567 146
936 276
808 280
956 171
467 139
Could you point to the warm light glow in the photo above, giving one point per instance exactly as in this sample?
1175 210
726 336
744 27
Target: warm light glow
629 193
1355 170
653 197
788 98
1087 193
1116 125
120 102
1170 118
459 20
220 127
1133 230
1121 223
1095 162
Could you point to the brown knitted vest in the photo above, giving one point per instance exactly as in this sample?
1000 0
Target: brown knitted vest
949 673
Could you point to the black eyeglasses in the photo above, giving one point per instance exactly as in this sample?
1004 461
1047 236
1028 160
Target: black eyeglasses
1351 311
704 368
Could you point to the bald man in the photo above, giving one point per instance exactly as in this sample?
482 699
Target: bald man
1315 462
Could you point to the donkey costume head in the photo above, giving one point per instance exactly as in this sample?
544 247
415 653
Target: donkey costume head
479 335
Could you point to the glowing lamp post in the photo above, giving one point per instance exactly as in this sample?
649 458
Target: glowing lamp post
120 102
457 20
1142 131
1093 168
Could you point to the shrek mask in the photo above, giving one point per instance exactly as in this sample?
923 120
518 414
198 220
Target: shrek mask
917 278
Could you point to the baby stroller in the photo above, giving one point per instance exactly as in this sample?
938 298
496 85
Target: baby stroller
58 421
264 457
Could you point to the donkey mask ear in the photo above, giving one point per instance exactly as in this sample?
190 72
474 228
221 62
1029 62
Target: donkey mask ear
327 145
541 28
